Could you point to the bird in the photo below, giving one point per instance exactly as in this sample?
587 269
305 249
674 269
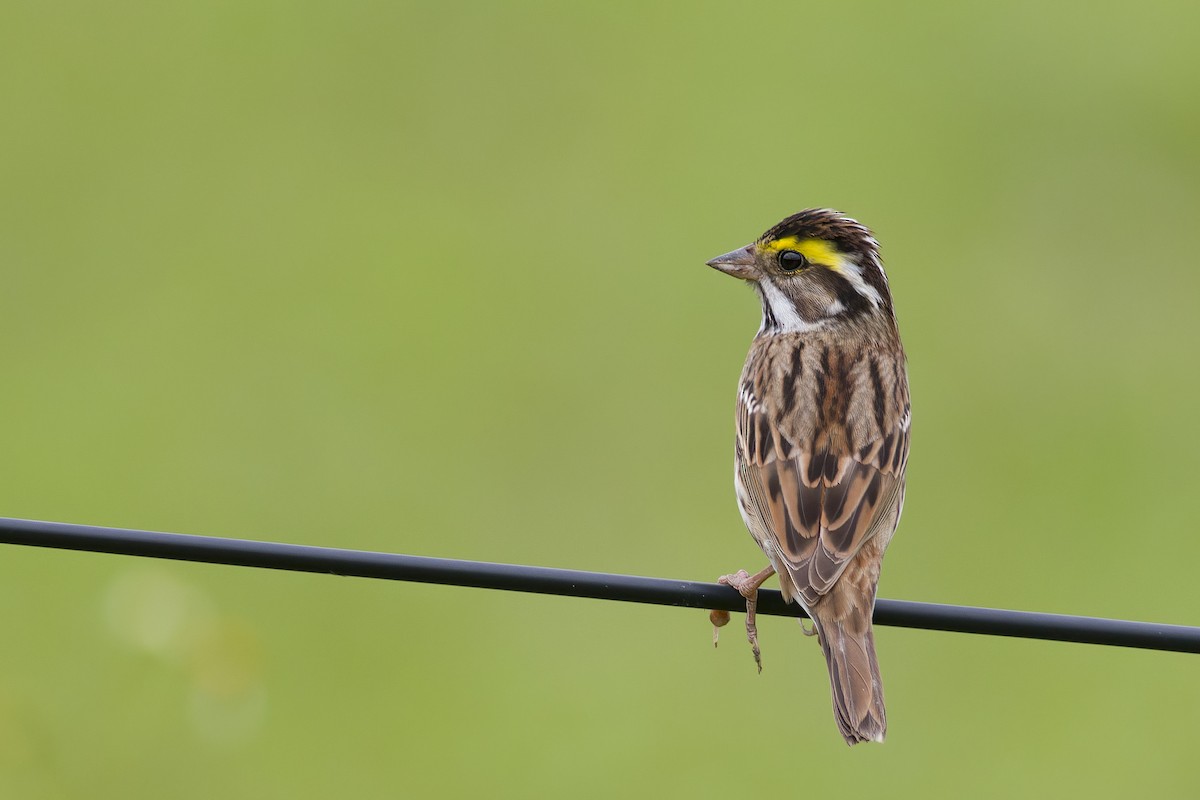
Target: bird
823 419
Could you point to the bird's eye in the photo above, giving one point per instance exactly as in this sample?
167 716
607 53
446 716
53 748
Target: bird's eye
790 260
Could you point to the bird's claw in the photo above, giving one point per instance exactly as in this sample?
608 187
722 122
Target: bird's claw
747 586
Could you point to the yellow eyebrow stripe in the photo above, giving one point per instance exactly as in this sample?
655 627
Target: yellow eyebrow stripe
817 251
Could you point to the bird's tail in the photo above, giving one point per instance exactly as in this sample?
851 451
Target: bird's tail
849 646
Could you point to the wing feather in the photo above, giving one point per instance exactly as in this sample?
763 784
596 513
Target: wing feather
813 507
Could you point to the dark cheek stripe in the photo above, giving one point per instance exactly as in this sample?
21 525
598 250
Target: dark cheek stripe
854 302
769 322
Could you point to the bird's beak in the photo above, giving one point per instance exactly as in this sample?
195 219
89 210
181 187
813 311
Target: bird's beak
738 263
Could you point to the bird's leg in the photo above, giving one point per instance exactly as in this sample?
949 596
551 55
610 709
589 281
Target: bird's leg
747 586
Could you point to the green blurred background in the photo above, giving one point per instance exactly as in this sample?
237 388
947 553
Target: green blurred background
430 279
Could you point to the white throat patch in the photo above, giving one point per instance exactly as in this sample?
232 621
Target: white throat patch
787 319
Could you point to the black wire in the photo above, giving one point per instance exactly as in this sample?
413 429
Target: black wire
572 583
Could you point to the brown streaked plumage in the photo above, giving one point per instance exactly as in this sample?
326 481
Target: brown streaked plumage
822 440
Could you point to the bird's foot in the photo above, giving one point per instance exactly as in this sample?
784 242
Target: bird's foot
807 630
747 585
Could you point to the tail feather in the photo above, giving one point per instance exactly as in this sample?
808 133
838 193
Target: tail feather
849 647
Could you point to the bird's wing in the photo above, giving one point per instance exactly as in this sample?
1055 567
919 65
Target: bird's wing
817 503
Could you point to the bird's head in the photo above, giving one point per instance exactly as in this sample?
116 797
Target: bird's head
814 268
